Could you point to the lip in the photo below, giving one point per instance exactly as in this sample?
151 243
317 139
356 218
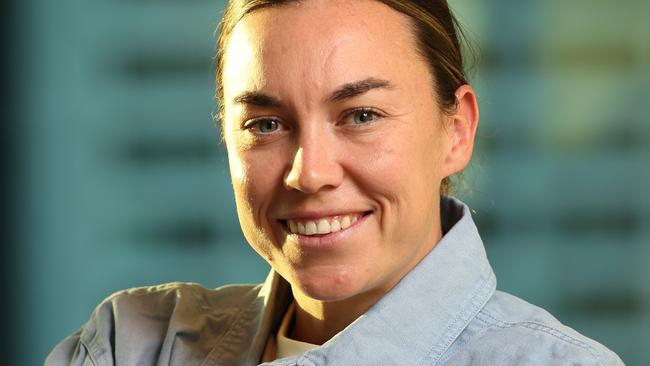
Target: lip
323 241
315 215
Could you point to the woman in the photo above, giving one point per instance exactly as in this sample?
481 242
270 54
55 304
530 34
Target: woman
343 120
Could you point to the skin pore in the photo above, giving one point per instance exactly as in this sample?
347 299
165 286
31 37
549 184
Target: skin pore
330 116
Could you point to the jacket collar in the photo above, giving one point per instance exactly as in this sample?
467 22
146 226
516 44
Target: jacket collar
274 298
417 321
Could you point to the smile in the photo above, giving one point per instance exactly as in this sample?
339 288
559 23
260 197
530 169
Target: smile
322 226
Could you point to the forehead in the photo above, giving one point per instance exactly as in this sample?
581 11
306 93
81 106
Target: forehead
321 43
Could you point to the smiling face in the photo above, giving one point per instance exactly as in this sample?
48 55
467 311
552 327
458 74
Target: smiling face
336 144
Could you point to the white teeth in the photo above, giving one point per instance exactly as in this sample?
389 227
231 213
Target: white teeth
310 228
322 226
345 223
336 226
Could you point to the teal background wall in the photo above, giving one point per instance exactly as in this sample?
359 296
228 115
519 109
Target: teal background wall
120 180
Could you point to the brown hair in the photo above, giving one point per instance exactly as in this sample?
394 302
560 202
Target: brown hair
436 30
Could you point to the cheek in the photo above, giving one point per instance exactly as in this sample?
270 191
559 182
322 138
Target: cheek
251 199
396 165
426 154
248 181
402 174
256 179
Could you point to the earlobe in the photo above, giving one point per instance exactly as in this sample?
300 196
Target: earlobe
464 125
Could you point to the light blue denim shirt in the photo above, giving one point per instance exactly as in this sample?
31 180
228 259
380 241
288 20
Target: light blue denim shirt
444 312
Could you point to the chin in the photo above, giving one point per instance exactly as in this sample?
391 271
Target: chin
327 294
327 287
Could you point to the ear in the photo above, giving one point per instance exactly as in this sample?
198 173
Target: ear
462 130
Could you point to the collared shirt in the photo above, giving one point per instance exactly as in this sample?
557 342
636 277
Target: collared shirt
445 311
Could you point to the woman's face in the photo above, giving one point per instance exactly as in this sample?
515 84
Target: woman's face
336 144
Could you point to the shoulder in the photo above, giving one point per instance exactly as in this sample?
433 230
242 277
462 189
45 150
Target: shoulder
154 310
144 323
509 330
167 298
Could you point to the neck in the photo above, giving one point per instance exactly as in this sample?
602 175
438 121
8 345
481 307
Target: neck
318 321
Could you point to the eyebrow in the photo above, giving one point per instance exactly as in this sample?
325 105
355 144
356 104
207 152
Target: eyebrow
356 88
348 90
258 98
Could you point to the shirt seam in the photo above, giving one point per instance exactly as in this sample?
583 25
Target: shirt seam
210 359
475 304
89 350
555 333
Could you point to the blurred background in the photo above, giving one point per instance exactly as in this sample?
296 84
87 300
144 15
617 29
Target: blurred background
116 177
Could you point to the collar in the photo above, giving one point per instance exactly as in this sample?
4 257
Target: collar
275 297
285 345
417 321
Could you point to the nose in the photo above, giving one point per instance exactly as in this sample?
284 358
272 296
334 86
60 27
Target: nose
315 165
